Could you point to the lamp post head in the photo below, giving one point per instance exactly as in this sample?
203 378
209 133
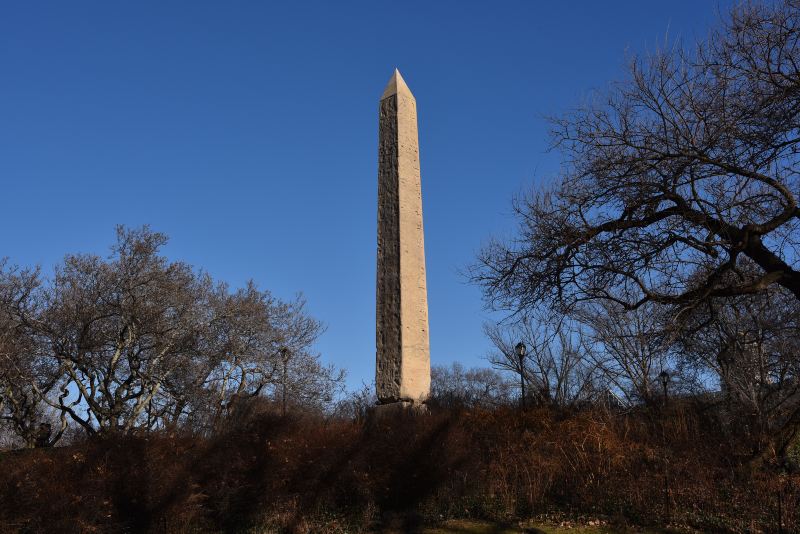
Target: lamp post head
521 349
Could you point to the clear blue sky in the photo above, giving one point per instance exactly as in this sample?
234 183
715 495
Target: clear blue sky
247 131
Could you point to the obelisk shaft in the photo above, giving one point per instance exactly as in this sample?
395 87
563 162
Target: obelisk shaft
403 349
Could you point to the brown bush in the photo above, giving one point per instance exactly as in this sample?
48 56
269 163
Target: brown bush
311 474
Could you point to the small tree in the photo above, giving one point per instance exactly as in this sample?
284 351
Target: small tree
629 347
478 387
555 368
750 344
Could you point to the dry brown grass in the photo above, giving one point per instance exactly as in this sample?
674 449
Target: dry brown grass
315 475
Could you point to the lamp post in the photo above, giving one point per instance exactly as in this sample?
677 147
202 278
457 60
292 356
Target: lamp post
285 360
664 376
520 350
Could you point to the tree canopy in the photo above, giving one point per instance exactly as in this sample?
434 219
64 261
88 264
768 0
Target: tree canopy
137 341
679 185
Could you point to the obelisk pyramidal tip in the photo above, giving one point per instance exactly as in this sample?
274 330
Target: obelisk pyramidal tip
403 366
396 85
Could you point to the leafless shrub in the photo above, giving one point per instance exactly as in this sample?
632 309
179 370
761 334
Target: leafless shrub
455 386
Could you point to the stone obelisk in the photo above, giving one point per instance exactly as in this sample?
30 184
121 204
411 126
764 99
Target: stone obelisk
403 368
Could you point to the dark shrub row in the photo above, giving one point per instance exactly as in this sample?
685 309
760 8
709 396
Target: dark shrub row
315 475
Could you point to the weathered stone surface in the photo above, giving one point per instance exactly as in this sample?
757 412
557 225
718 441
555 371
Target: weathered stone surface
398 409
403 351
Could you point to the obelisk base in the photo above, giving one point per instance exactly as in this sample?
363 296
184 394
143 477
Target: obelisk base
398 409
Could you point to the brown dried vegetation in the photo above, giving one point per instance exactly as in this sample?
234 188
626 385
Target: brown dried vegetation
309 474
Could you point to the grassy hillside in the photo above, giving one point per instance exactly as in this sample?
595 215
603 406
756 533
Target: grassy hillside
309 474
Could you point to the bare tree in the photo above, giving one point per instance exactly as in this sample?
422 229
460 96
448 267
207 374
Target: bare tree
255 347
304 381
29 382
478 387
671 180
256 341
136 341
554 368
357 404
120 327
630 347
750 343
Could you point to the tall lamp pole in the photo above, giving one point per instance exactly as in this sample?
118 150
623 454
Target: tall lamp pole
664 376
285 360
520 350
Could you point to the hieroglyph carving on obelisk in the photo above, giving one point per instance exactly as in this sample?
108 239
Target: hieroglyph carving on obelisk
403 370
